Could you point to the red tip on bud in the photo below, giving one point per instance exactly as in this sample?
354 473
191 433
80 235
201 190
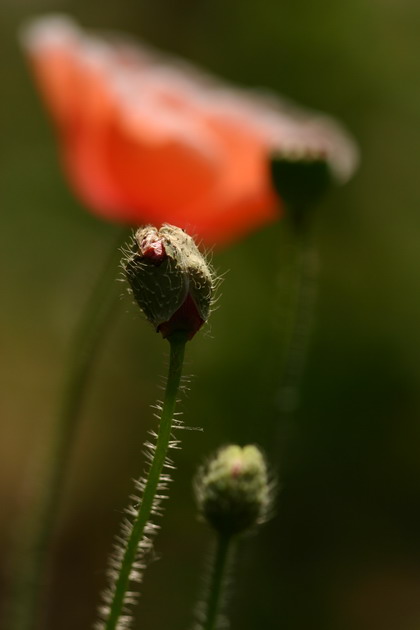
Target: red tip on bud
152 247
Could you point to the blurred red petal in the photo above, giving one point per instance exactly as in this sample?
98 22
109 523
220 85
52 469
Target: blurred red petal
150 139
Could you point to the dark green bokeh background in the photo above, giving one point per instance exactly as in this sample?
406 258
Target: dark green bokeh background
343 552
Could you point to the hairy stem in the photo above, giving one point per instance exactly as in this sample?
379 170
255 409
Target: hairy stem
136 533
31 579
216 593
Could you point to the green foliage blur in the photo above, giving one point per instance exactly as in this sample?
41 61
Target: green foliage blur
343 550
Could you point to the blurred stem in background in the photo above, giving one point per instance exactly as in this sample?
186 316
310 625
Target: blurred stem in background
32 566
301 322
302 181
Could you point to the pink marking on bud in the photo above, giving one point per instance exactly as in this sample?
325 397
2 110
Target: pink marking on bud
153 247
236 469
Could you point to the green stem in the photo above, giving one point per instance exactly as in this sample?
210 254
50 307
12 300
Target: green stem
130 553
303 312
218 582
31 580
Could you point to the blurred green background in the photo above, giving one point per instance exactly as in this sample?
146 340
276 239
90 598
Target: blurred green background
343 551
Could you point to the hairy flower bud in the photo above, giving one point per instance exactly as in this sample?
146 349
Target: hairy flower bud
233 491
170 280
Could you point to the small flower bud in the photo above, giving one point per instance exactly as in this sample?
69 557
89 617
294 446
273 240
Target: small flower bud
301 180
170 280
308 161
233 491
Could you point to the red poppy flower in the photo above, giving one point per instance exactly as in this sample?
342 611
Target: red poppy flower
150 139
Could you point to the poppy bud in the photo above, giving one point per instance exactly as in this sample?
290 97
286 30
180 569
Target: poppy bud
306 165
233 491
170 280
301 180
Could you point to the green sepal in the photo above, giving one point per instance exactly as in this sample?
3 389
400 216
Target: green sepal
159 290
